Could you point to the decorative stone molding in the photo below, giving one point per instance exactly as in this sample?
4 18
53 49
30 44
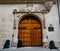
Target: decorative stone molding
48 5
18 15
45 44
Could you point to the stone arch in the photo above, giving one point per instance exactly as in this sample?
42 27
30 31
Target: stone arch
28 15
33 15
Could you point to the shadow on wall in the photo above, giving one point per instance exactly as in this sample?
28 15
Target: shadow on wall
19 44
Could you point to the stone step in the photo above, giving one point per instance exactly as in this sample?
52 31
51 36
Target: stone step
28 49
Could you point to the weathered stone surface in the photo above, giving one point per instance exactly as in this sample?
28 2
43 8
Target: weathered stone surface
7 21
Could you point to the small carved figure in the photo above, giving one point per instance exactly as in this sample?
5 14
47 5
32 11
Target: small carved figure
7 44
52 45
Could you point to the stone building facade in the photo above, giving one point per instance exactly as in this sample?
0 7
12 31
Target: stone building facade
11 14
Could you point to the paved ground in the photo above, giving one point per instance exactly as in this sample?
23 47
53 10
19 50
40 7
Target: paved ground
28 49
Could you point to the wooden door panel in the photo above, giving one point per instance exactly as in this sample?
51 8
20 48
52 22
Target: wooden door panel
30 32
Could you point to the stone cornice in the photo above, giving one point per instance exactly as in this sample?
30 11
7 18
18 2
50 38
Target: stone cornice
25 1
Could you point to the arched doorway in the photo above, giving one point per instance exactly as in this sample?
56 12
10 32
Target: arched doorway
30 31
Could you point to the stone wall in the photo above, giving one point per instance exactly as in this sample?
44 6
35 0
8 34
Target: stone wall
7 21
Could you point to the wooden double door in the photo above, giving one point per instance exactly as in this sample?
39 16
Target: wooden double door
30 31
